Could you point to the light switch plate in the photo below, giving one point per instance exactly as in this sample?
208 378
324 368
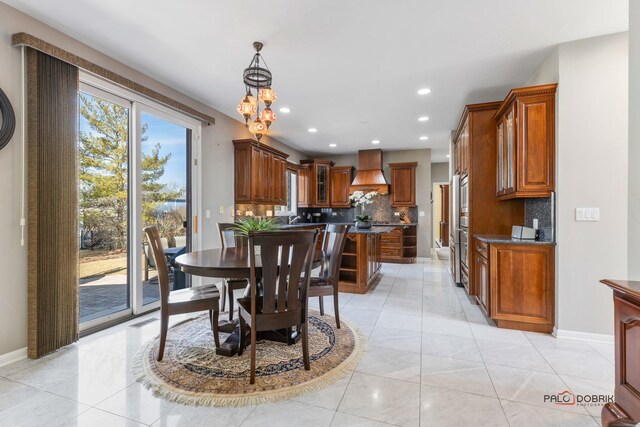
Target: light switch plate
207 213
422 213
221 210
587 214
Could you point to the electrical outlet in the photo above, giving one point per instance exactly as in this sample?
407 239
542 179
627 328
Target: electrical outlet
535 223
396 213
587 214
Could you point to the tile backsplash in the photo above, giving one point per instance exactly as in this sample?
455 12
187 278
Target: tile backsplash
380 211
542 209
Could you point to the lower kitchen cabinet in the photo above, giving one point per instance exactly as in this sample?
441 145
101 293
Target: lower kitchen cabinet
399 246
360 264
482 281
520 285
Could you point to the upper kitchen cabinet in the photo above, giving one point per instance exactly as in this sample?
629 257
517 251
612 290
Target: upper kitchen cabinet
525 133
317 183
303 186
260 173
340 177
403 184
461 152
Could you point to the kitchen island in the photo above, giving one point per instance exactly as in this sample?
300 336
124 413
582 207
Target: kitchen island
361 259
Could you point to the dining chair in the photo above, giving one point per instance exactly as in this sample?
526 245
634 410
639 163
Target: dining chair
230 239
285 258
190 300
148 258
335 237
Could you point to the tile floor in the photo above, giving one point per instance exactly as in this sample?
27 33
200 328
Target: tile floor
432 360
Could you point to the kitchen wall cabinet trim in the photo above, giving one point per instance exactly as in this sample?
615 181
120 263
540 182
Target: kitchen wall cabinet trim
403 184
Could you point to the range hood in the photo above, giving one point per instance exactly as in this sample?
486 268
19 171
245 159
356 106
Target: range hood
370 176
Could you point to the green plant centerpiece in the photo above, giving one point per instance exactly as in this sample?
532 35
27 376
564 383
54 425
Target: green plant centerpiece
360 198
253 223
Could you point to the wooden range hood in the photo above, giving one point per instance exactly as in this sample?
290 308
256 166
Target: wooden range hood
370 176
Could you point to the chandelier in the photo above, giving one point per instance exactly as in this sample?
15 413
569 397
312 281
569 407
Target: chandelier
259 78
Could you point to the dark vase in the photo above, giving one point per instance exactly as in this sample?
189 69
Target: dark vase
363 224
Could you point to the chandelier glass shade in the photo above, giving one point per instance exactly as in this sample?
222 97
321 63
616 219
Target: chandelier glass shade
257 76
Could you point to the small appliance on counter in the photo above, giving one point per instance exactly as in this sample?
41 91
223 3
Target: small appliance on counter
523 233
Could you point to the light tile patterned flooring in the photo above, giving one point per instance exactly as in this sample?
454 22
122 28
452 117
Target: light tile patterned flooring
432 360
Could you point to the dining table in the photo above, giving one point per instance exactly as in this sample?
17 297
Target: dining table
234 263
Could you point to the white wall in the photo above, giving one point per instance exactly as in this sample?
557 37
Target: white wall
634 141
591 171
216 163
439 172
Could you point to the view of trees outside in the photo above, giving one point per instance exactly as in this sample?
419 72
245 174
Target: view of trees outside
104 175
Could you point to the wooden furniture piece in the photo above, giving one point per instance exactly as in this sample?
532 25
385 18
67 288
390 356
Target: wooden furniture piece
229 239
341 177
370 176
399 246
286 270
444 215
403 184
481 212
525 128
229 263
625 410
316 183
335 237
516 284
188 300
260 173
361 263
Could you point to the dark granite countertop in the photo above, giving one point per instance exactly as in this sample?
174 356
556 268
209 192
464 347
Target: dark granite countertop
376 229
391 224
497 238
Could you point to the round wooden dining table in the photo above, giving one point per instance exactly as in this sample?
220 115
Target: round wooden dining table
230 263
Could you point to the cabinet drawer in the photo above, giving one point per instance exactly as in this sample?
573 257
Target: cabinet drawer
391 238
482 248
391 252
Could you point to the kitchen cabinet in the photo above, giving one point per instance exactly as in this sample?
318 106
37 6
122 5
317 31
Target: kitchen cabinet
525 130
360 265
482 275
303 186
340 177
522 286
399 245
444 215
480 211
318 183
403 184
259 173
625 408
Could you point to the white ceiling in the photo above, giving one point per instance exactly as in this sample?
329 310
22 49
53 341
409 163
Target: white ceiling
350 68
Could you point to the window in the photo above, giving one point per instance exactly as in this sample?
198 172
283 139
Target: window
291 209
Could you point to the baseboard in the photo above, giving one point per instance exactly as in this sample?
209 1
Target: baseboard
13 356
583 336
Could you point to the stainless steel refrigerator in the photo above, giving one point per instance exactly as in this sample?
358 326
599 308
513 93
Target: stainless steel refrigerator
454 229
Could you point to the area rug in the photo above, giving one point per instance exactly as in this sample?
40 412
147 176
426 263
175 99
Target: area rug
191 373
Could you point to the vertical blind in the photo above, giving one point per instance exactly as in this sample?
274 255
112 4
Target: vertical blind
52 120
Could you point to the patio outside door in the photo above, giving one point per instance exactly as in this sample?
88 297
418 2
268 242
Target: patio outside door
134 171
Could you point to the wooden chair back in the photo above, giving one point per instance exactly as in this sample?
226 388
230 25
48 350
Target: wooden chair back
229 237
286 257
155 243
335 237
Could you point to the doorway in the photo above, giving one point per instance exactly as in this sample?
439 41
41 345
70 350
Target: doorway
440 217
134 170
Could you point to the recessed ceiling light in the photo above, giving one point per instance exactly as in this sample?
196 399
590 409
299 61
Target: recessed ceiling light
285 110
333 145
424 91
448 156
423 118
424 138
313 130
375 141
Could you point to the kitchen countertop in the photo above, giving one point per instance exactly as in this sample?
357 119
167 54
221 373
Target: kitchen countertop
504 239
376 229
391 224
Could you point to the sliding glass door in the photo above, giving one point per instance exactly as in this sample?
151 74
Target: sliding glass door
135 170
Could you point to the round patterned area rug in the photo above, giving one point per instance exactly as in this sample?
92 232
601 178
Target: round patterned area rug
191 372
